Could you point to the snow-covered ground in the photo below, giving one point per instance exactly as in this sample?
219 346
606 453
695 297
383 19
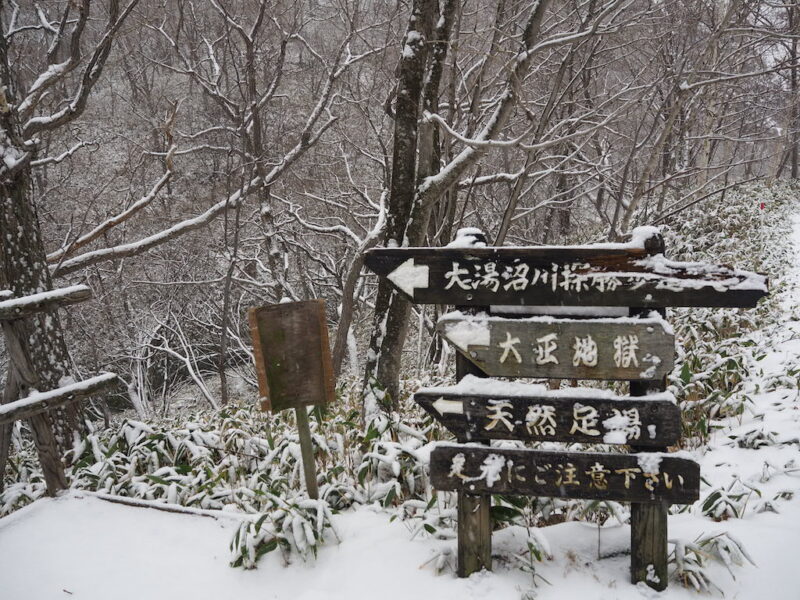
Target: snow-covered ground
79 546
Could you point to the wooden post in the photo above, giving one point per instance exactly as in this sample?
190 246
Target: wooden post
649 521
307 451
474 519
474 514
16 320
52 468
649 544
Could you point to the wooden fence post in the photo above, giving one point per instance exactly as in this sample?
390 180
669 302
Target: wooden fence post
649 521
35 405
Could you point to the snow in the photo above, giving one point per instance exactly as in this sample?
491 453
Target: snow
492 469
413 40
640 235
79 545
36 397
720 278
49 296
653 318
467 237
558 311
468 330
83 547
616 426
472 385
650 462
129 553
454 318
52 72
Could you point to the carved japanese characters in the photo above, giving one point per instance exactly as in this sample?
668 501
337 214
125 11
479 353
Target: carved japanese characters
616 275
561 415
620 477
626 348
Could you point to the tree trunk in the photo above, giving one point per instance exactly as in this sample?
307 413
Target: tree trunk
389 326
381 382
793 133
37 350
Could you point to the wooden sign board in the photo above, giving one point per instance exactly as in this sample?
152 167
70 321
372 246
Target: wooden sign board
616 349
292 354
559 415
620 477
612 275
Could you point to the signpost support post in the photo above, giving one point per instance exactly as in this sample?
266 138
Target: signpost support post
649 521
474 511
307 452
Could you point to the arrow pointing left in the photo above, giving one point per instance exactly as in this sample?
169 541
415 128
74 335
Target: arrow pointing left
443 406
409 277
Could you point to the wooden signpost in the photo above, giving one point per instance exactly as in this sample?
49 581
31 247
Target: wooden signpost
609 275
293 364
622 349
572 415
638 348
622 477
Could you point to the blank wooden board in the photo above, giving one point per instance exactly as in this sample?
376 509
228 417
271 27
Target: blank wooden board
292 354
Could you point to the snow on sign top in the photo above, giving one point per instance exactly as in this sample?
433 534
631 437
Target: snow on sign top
624 348
599 275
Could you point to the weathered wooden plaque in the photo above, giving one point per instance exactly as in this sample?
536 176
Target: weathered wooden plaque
567 276
646 477
292 354
621 349
560 415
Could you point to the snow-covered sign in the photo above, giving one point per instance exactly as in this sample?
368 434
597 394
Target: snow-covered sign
597 275
548 290
292 354
613 348
539 414
650 477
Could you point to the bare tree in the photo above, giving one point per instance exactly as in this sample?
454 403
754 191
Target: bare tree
68 66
